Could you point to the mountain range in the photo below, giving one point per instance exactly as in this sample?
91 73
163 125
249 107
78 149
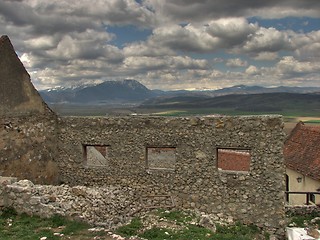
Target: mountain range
106 92
131 91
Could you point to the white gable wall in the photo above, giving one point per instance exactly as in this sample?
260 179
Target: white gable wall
306 185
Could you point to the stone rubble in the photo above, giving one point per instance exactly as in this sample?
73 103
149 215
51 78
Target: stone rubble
104 207
108 207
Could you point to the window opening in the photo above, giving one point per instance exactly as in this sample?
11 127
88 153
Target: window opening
231 159
96 155
161 158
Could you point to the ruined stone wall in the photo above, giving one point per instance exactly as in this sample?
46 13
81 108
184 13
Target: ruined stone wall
302 210
17 94
28 147
192 179
106 206
109 206
28 139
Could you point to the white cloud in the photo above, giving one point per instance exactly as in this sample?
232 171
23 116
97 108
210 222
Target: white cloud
148 49
88 45
310 51
289 65
223 33
266 56
308 46
231 31
25 59
157 63
234 35
236 62
41 42
188 38
267 40
252 70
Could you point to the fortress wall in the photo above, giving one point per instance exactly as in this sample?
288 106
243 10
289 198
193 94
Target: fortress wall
18 96
178 157
27 126
28 148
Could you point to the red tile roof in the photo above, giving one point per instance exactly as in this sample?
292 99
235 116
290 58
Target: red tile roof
234 160
302 150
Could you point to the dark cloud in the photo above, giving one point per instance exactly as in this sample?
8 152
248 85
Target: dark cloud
188 10
17 12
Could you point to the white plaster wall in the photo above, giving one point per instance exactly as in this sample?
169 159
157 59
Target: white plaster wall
306 185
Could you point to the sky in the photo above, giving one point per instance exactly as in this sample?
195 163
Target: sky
166 44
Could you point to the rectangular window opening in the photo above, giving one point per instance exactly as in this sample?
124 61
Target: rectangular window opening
95 155
161 158
234 160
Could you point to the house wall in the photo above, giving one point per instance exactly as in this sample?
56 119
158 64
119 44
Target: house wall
306 185
194 181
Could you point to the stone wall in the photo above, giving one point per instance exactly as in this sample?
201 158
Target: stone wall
100 206
27 126
17 94
108 206
195 182
303 210
28 148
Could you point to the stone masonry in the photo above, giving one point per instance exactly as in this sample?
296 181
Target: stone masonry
108 206
195 182
27 126
17 94
37 145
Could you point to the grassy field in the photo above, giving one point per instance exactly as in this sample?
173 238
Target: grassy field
291 118
225 111
103 110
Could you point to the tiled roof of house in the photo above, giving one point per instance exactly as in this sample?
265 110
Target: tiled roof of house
302 150
234 160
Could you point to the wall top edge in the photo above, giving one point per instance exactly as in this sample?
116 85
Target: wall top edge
271 116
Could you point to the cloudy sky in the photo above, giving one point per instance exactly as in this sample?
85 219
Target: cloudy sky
166 44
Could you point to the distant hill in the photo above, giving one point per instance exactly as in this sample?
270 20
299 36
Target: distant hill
243 89
264 102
